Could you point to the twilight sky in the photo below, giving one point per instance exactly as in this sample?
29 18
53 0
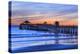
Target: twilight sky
40 12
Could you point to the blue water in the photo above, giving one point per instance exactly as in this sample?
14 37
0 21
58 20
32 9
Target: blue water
29 40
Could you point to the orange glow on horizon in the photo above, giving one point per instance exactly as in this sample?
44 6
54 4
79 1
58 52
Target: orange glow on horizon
17 21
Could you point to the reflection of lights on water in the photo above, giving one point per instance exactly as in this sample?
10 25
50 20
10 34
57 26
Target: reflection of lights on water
36 43
16 45
68 42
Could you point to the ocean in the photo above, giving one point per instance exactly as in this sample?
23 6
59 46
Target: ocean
30 40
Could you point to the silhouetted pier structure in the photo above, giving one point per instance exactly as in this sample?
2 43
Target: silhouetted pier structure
56 29
72 30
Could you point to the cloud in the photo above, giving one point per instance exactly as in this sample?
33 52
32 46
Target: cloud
40 12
